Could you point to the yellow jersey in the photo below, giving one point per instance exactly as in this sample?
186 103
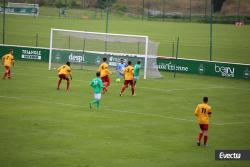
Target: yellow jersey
64 69
203 112
128 73
103 69
8 59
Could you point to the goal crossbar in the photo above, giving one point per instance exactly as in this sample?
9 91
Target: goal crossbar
99 33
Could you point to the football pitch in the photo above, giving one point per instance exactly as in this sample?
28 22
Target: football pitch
43 127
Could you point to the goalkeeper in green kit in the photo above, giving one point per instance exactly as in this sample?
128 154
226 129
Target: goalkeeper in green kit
97 86
137 71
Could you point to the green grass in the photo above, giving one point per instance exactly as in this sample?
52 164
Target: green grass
41 127
231 44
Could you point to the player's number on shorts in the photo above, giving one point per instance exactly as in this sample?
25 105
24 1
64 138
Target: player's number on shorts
203 110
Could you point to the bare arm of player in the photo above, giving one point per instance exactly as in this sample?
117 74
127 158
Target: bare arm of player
13 62
209 113
109 72
69 73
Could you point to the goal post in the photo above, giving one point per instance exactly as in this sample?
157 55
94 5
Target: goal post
83 49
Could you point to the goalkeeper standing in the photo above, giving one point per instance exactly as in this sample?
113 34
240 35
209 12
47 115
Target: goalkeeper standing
97 86
119 69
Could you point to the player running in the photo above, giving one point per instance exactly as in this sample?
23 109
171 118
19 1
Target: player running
119 70
104 74
7 61
128 78
97 86
64 72
203 112
137 71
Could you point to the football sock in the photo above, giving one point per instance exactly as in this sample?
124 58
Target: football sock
8 74
5 74
104 90
123 89
205 140
96 102
134 83
68 83
133 90
200 137
59 83
108 83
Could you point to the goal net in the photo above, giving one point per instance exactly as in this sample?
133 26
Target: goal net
86 50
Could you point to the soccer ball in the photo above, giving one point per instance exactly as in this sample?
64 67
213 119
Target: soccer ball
118 80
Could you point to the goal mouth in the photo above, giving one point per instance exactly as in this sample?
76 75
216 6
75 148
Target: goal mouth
84 49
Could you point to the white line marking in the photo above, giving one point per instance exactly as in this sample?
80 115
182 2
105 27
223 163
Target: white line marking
122 111
150 88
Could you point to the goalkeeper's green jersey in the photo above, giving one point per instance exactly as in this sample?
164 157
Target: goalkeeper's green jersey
137 69
97 85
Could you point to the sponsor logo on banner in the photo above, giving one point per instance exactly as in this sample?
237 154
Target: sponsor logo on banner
201 69
76 58
225 71
31 54
172 67
246 74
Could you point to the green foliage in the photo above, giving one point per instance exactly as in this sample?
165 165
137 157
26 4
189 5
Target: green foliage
103 3
42 2
218 5
74 3
60 4
119 8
